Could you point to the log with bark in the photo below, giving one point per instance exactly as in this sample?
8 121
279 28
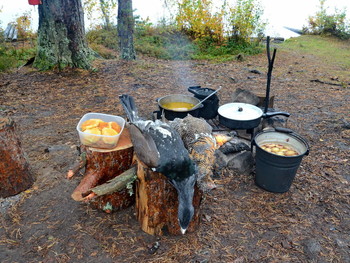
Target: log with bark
157 203
103 165
116 184
15 174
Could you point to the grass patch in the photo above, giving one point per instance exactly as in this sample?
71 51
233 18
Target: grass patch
11 57
328 49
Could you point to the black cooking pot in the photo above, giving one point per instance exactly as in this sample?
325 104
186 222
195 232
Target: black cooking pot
243 116
274 172
171 114
210 106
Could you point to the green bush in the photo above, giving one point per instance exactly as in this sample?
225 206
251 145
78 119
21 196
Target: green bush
330 25
107 38
228 50
6 63
11 57
166 41
162 41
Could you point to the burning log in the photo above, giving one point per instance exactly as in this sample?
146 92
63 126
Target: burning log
15 174
103 165
157 203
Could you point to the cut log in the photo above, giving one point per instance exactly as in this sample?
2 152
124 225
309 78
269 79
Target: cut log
15 174
103 165
157 203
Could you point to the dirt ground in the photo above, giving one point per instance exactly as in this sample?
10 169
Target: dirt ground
239 221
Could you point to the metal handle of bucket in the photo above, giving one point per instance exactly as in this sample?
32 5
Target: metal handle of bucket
286 130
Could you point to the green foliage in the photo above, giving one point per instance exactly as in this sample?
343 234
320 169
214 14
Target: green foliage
103 51
323 23
198 20
166 41
6 62
107 38
162 41
11 57
245 21
24 23
198 31
227 51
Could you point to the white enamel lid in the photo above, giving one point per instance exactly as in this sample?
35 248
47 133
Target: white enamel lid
240 111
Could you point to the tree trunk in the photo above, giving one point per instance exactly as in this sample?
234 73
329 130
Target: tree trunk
15 175
106 15
126 30
157 203
103 165
61 36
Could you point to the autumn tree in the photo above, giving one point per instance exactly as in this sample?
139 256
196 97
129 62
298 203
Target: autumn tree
61 36
23 25
197 20
126 30
203 20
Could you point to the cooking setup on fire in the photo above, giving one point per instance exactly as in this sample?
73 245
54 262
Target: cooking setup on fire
201 133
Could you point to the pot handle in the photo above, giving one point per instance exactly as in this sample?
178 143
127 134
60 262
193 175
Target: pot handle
271 114
156 115
286 130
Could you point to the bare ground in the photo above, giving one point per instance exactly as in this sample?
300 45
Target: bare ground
240 222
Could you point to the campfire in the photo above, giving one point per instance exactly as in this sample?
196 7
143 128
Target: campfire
214 138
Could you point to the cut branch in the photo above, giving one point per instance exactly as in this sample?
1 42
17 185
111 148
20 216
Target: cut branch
114 185
329 83
77 166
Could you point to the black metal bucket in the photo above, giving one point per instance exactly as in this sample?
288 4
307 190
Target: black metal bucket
276 173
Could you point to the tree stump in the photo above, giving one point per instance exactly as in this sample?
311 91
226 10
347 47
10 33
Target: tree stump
157 203
103 165
15 174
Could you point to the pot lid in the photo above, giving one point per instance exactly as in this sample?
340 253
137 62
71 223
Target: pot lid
240 111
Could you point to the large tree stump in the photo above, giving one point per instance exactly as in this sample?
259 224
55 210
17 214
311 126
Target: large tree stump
157 203
15 174
103 165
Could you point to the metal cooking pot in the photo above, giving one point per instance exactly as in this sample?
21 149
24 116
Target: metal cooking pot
243 116
210 106
275 173
171 114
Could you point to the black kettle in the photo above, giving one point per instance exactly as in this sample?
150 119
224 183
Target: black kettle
210 106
